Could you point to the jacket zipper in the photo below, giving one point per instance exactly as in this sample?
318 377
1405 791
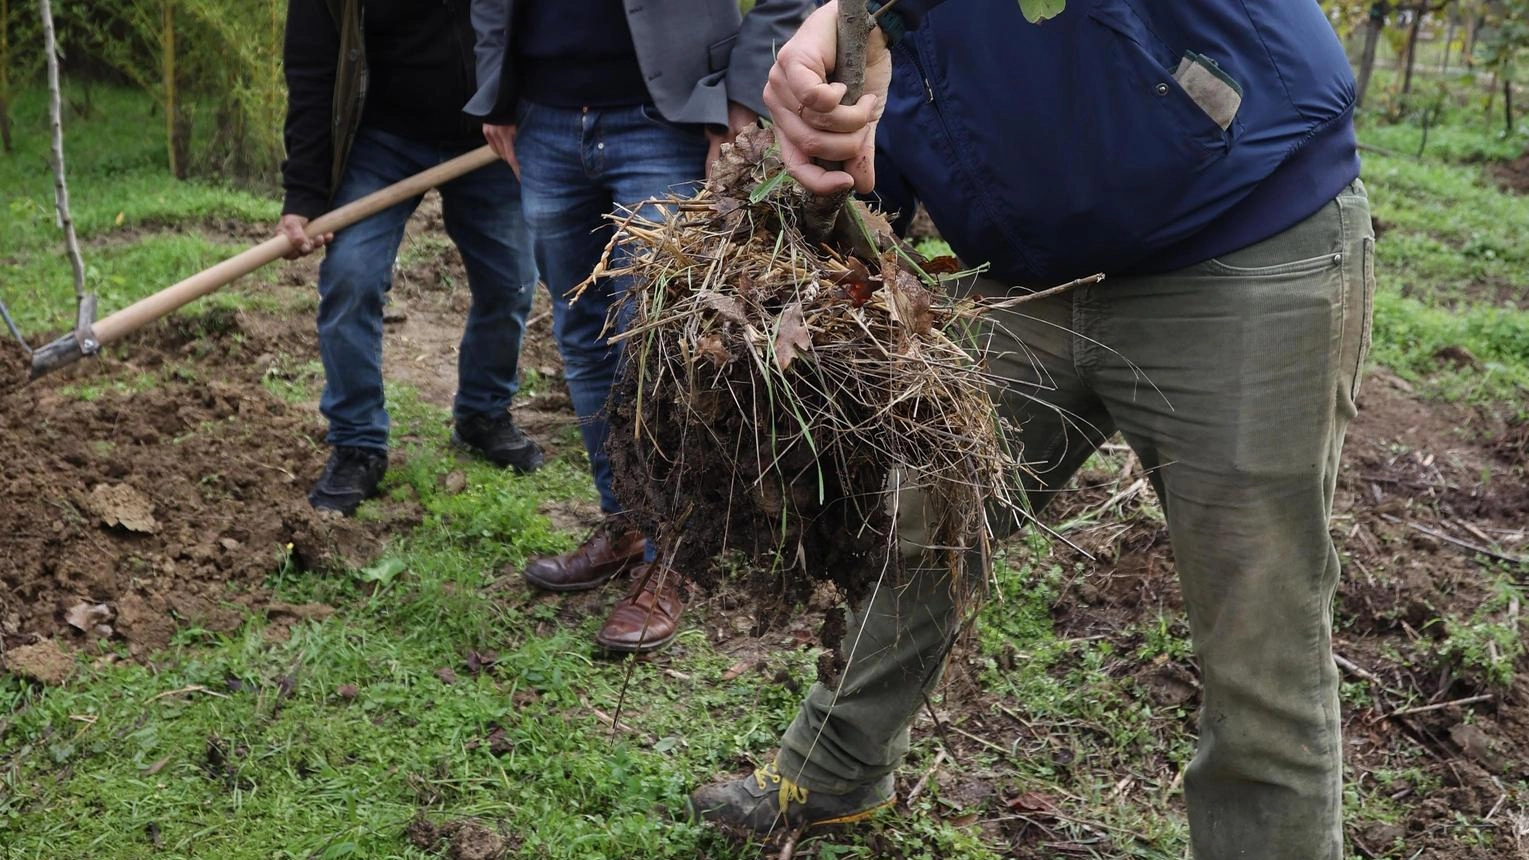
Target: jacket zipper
955 148
913 58
918 66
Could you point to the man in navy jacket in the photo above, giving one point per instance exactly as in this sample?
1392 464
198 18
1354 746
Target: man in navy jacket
1203 156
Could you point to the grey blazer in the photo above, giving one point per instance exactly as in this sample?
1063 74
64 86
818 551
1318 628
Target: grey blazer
696 55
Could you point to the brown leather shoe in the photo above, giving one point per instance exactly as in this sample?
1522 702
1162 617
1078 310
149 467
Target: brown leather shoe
611 548
649 616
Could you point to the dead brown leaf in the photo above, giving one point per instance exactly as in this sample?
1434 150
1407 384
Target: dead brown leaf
792 336
86 617
911 303
737 669
728 306
710 346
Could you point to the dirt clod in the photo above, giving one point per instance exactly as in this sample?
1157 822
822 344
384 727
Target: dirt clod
465 839
121 505
45 662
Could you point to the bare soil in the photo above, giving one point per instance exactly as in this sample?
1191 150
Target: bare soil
1513 175
168 505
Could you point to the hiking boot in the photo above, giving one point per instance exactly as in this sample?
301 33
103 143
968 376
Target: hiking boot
649 616
612 548
767 802
350 477
496 438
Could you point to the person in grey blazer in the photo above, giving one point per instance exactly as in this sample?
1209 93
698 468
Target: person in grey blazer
599 105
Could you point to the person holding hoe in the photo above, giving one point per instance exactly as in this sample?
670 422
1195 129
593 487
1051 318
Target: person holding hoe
1203 156
598 112
373 99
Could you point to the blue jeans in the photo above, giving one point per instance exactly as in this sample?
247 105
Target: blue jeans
483 217
577 165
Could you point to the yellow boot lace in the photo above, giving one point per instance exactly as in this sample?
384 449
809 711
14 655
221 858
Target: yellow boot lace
788 791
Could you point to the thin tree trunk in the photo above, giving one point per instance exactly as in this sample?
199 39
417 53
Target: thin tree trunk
1449 39
1412 45
5 75
172 130
1371 37
55 116
1507 103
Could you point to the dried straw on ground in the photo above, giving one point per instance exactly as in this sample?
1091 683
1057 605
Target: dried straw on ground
772 385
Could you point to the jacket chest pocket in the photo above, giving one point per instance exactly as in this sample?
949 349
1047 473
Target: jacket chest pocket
1151 111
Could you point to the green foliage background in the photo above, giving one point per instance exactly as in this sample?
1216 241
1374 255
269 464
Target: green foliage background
225 91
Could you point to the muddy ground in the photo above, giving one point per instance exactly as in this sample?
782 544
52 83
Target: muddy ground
131 511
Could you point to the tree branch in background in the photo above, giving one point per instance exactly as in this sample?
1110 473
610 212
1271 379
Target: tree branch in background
55 116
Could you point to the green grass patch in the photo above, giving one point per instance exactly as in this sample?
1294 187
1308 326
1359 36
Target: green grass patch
119 188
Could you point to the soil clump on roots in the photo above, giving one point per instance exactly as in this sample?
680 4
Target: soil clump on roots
776 388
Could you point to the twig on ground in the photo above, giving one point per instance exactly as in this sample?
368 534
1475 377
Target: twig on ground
615 724
1501 798
1449 538
923 781
939 728
788 848
1407 712
1356 670
193 688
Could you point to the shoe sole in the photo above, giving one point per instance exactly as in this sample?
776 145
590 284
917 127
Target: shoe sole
564 588
537 460
853 817
325 503
647 646
696 817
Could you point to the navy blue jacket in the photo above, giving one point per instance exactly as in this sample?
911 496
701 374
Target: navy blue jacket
1057 150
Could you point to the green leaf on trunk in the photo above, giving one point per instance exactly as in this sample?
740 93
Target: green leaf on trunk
1037 11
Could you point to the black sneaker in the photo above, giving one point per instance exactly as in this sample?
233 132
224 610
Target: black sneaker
497 439
350 477
767 802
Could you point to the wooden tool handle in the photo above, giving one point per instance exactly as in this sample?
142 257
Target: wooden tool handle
112 328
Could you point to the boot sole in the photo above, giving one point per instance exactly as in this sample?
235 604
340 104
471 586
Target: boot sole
325 502
647 646
853 817
696 817
536 461
587 585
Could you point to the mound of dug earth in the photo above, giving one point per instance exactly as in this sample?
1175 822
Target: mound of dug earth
127 515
